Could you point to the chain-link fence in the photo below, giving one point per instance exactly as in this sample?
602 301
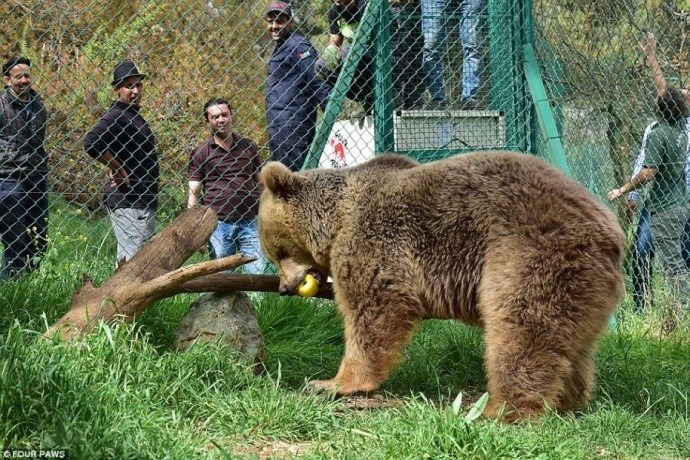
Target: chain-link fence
563 79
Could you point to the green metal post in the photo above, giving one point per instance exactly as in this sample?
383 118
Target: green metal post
541 106
527 23
544 112
505 61
349 66
522 107
383 83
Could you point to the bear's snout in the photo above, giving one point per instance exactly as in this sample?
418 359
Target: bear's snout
284 290
288 286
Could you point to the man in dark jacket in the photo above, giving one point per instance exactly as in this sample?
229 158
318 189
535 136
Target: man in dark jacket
123 141
293 93
23 171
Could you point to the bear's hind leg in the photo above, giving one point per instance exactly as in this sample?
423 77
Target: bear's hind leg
374 338
579 385
543 313
526 373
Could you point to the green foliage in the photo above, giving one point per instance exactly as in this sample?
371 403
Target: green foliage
122 392
187 53
119 393
109 396
109 48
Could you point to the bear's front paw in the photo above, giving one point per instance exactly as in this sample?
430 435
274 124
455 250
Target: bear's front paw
339 388
321 386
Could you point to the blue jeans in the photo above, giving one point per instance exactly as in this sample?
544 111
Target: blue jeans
433 30
23 223
642 262
642 259
231 237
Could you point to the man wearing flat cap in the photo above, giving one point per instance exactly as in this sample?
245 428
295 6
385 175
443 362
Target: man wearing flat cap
123 141
23 171
293 92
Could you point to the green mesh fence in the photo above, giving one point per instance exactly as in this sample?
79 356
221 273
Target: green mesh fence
562 79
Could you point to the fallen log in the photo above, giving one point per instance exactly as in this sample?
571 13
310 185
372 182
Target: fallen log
154 273
128 291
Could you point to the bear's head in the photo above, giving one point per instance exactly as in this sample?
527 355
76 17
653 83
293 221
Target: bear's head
294 221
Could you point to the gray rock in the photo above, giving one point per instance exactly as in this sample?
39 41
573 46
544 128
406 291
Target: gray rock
229 319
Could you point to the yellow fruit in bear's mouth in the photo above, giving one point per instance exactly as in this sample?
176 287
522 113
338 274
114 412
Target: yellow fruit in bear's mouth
309 286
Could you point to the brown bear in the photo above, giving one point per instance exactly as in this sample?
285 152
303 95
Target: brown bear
501 240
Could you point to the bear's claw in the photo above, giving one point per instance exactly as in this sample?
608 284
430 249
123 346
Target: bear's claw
337 389
321 386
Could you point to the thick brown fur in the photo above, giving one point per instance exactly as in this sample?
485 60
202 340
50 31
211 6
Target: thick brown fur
501 240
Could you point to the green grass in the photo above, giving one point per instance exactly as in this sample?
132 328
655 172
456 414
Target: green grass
123 392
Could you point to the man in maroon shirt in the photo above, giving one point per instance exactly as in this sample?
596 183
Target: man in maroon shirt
226 168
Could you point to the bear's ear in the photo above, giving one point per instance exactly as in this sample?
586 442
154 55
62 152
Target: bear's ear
280 180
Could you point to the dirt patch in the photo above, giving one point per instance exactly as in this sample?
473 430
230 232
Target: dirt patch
386 401
278 449
375 401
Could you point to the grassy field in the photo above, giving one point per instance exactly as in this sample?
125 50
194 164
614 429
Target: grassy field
124 393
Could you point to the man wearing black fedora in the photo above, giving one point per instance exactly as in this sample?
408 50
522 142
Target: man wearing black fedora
123 141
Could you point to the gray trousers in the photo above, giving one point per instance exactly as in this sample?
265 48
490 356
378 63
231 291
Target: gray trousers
133 228
667 233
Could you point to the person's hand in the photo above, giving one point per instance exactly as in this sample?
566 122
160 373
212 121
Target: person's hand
331 58
119 176
649 46
630 212
615 194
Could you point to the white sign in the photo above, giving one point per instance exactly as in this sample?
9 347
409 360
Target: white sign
348 144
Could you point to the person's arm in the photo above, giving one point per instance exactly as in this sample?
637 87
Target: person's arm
258 164
317 89
640 162
257 180
649 49
687 167
96 144
194 193
634 196
195 175
331 54
4 138
645 175
192 199
118 174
